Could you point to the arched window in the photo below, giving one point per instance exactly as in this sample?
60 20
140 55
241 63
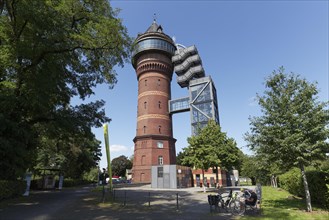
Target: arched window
160 160
144 129
145 82
143 160
159 104
145 104
159 129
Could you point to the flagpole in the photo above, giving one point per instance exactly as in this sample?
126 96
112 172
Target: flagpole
107 148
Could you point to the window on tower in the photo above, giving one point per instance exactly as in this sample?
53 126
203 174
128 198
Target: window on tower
154 44
160 160
143 160
145 82
159 104
145 104
159 129
159 82
160 144
144 129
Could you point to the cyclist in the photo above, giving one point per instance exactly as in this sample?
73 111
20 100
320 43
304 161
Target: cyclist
251 196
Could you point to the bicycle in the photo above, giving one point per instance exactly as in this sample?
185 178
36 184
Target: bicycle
231 204
218 201
237 206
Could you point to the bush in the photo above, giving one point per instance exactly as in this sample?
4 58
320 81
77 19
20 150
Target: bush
318 183
68 182
11 188
318 187
91 175
74 182
292 182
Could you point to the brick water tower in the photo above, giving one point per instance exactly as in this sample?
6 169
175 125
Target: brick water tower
154 142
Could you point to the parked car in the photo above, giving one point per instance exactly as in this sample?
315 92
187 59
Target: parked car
116 181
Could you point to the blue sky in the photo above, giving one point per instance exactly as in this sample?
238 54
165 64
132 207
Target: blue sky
240 44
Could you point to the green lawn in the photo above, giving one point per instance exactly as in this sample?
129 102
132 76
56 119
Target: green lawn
279 204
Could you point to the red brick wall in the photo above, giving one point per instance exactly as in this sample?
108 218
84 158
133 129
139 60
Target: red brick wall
209 173
154 72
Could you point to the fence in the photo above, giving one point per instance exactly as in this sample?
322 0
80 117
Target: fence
167 200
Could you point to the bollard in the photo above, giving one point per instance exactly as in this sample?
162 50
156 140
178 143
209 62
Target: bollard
149 199
103 194
177 201
124 202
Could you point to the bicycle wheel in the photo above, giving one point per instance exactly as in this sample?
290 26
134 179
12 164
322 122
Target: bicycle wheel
237 207
222 206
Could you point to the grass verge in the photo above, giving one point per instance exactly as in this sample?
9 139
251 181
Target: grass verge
279 204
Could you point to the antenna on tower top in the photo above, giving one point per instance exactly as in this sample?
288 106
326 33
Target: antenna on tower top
154 18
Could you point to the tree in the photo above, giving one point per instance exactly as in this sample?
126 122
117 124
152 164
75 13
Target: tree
92 175
292 131
120 164
212 148
50 52
179 159
249 168
259 170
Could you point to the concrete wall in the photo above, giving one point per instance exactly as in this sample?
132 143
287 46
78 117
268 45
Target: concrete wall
168 179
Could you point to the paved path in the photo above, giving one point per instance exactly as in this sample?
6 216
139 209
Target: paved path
41 205
130 203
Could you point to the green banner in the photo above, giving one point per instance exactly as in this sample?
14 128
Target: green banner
107 148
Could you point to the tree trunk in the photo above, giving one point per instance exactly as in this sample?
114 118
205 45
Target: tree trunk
307 191
253 180
204 184
217 182
274 181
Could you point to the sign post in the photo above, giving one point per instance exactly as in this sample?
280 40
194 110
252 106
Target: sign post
28 184
61 179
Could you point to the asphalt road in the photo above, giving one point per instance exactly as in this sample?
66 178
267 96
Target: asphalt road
41 205
130 203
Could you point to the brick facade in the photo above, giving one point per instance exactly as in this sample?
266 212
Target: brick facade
210 176
154 142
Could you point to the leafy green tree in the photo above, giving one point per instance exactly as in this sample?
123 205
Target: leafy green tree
74 156
249 168
292 131
260 170
92 174
212 148
50 52
179 159
120 164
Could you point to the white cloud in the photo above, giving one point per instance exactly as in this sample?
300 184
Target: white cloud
118 148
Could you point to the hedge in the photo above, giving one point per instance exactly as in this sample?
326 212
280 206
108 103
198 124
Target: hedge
74 182
68 182
318 183
10 188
